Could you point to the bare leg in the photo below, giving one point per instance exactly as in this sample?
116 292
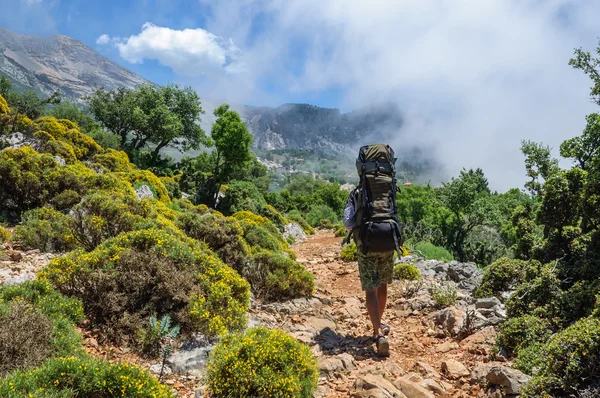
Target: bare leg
381 299
373 309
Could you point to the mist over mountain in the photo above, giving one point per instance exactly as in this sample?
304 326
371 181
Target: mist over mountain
69 66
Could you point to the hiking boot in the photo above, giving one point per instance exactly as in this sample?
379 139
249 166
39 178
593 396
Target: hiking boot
385 329
383 346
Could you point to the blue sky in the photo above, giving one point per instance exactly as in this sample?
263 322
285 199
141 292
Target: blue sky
472 78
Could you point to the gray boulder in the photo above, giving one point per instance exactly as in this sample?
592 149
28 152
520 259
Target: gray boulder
144 192
511 379
295 231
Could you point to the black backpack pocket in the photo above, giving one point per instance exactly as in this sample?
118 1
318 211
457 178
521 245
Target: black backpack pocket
377 237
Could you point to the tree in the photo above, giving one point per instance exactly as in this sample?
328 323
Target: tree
583 60
539 164
232 148
151 116
584 149
5 86
468 200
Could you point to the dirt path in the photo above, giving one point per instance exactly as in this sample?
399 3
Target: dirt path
411 340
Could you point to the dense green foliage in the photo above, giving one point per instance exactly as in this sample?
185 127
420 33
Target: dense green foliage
262 362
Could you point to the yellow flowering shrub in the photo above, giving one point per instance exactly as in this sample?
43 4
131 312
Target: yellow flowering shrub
128 278
4 109
222 234
114 160
260 233
349 252
275 276
66 131
4 234
83 376
47 230
141 177
262 363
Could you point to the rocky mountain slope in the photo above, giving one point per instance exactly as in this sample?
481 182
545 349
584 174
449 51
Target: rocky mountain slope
65 64
300 126
59 63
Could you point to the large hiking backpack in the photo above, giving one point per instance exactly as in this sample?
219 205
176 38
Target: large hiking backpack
377 228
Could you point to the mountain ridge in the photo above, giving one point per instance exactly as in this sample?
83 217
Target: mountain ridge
59 62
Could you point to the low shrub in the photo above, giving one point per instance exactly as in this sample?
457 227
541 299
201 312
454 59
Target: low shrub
275 276
221 234
260 233
432 252
262 363
272 214
341 232
83 377
116 161
501 276
68 133
47 230
102 215
4 234
37 323
24 336
241 196
520 332
406 272
444 295
321 215
152 272
577 302
536 296
349 252
138 178
571 361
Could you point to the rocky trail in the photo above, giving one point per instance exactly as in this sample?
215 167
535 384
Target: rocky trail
427 360
435 352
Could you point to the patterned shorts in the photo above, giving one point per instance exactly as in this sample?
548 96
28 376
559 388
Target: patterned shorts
375 269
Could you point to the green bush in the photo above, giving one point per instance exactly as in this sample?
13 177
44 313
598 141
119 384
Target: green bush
349 252
520 332
444 295
83 377
241 196
275 276
262 363
156 335
321 216
406 272
221 234
571 361
536 296
501 276
576 302
35 313
152 272
47 230
432 252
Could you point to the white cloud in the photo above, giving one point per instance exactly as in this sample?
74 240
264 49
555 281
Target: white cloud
30 3
189 52
103 40
473 77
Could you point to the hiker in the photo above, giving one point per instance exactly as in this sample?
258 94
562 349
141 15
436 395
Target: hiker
371 219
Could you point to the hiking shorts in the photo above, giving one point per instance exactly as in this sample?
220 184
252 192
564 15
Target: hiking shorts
375 269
